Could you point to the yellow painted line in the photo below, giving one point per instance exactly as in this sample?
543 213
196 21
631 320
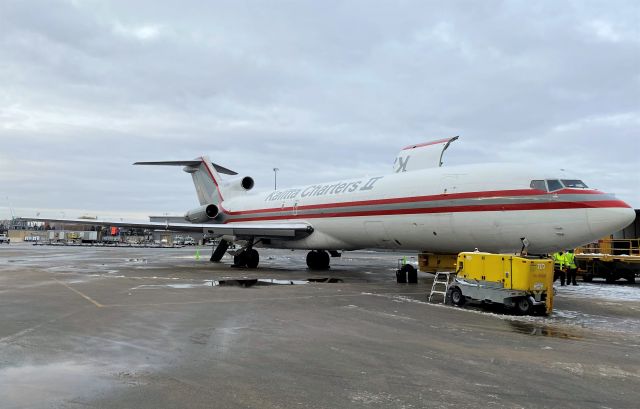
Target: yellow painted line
86 297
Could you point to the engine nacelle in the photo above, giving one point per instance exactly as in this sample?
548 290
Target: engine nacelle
202 214
243 184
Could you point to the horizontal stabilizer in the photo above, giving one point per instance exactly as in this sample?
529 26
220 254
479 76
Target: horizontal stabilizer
190 163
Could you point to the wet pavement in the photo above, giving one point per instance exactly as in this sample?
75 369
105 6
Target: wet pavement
156 328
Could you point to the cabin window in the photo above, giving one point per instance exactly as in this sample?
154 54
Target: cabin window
538 185
574 183
554 184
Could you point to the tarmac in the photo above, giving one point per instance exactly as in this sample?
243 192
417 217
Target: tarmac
157 328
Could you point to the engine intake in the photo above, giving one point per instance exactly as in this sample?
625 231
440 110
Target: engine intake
247 183
239 185
202 214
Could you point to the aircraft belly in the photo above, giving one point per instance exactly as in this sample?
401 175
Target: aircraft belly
546 231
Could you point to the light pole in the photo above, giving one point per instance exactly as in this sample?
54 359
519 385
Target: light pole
63 216
275 178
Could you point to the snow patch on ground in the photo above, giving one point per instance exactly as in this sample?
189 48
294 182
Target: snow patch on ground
565 318
615 292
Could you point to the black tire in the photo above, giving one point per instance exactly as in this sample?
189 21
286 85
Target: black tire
524 306
456 296
325 260
240 260
253 258
318 260
412 273
312 262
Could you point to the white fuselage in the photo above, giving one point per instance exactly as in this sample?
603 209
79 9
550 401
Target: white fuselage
441 210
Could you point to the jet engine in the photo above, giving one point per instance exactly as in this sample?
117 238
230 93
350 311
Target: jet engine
239 184
202 214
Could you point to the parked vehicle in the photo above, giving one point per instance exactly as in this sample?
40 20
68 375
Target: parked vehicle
611 259
523 283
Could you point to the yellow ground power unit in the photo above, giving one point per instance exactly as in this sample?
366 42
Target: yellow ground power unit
523 283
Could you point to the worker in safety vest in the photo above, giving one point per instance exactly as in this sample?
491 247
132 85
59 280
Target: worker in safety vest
559 267
572 268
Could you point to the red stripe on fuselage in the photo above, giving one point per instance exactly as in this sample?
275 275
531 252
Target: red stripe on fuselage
451 196
449 209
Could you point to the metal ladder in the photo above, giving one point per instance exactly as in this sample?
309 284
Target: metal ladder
442 279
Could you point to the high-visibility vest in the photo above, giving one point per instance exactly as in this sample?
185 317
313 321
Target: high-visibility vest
570 260
558 259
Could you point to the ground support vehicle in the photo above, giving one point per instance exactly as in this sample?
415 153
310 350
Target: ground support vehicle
611 259
4 239
406 272
522 283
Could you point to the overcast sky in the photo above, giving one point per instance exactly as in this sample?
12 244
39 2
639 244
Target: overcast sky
320 89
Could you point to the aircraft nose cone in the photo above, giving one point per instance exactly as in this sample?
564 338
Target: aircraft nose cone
609 220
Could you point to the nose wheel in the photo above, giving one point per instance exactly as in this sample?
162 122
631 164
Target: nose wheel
318 260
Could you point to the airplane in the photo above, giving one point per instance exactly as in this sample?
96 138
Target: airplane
420 205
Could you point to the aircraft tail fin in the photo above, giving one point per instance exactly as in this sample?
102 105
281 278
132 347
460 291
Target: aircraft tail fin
205 175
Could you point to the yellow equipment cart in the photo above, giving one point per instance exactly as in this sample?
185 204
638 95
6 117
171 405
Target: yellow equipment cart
523 283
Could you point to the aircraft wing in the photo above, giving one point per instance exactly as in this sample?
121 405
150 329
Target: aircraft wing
248 229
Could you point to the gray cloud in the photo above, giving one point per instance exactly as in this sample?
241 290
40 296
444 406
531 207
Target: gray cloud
319 89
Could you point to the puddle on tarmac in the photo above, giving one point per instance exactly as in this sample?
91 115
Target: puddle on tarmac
529 328
250 282
49 385
243 282
273 281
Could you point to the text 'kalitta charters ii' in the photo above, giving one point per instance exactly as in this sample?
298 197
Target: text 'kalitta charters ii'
324 190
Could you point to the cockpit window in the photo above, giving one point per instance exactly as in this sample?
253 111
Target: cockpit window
574 183
553 184
538 184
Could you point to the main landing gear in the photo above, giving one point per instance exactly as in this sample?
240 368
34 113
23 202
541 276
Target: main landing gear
248 258
219 251
318 260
